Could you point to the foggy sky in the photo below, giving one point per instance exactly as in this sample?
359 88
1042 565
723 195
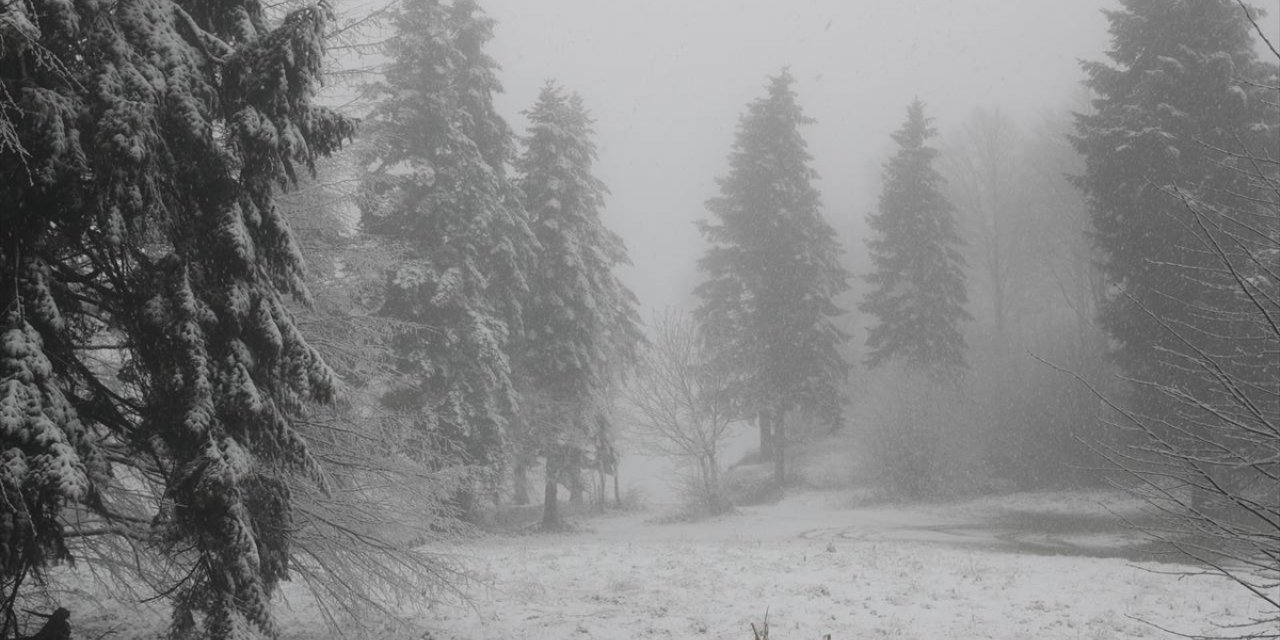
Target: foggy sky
667 80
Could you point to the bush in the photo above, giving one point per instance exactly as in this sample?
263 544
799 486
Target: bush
750 485
634 498
700 500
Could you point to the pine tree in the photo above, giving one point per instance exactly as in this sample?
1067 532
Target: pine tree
143 274
1180 91
1182 178
438 193
772 273
581 326
919 294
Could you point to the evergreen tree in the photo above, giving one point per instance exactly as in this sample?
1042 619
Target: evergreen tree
438 193
1181 89
581 326
367 539
919 293
143 274
772 273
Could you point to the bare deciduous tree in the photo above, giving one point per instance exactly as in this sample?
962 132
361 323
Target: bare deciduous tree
682 411
985 175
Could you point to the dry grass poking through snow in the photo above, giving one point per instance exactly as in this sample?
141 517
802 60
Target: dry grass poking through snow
678 589
857 574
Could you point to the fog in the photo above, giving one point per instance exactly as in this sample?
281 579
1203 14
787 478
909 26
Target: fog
668 80
318 320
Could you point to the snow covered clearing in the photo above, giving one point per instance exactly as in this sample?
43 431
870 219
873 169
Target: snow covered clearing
1046 566
920 572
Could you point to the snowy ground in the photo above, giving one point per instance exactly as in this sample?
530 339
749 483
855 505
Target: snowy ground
978 570
1043 566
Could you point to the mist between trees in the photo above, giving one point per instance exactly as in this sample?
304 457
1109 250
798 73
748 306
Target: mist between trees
191 414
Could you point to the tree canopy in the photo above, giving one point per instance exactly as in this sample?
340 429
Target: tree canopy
581 326
772 271
919 294
437 195
1184 85
146 270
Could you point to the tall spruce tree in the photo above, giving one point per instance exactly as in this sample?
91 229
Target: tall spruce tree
919 295
437 192
581 326
772 272
144 269
1183 181
917 302
1181 90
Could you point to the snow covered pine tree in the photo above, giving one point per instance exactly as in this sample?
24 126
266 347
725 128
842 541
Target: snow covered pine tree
143 266
438 192
919 293
773 273
581 325
1183 181
918 304
1176 97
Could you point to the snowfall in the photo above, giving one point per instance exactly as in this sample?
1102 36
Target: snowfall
1046 565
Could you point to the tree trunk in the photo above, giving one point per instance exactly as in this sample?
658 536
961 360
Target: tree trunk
520 477
713 473
601 496
780 448
766 434
719 501
550 500
617 491
574 469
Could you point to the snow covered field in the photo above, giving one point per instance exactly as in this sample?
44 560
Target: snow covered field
1043 566
921 572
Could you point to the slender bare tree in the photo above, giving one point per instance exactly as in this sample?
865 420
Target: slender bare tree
985 180
681 409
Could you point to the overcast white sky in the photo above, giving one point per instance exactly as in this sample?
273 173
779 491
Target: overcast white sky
667 80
